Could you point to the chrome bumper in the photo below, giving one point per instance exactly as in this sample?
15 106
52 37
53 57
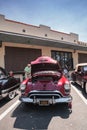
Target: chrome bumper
46 101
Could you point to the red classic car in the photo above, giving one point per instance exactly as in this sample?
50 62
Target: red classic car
79 75
47 84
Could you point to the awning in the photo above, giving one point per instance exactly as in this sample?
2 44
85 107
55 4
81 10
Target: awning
34 40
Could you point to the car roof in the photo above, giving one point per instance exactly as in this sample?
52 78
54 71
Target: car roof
81 64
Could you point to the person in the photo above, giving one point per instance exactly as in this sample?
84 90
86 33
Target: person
66 72
11 74
27 71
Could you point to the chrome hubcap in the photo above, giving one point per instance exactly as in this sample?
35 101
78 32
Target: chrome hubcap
12 94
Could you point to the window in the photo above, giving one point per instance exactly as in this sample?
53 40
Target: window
85 68
64 58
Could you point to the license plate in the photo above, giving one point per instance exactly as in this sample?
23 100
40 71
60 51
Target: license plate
44 103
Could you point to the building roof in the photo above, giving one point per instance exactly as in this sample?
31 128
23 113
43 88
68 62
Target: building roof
35 40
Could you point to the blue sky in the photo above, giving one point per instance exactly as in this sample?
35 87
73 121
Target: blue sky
61 15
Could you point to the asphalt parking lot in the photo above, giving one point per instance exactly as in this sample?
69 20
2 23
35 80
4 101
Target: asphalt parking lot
14 115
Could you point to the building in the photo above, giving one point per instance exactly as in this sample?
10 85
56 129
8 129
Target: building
21 43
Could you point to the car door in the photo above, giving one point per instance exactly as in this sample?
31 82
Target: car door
79 75
12 83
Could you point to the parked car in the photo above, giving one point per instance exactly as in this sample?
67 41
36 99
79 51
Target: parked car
8 84
79 75
47 84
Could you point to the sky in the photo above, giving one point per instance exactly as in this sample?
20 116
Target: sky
61 15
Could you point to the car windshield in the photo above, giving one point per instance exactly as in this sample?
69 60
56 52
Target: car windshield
85 68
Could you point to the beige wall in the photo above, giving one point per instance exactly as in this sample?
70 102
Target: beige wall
40 31
2 53
75 58
45 50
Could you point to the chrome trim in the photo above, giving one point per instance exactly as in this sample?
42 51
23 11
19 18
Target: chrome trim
37 92
50 101
6 90
4 95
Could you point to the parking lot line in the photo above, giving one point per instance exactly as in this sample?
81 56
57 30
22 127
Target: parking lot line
8 110
81 96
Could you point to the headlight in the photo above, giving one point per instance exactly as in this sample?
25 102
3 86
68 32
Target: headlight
67 87
22 87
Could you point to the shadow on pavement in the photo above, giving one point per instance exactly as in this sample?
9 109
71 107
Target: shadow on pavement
80 89
34 117
3 102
